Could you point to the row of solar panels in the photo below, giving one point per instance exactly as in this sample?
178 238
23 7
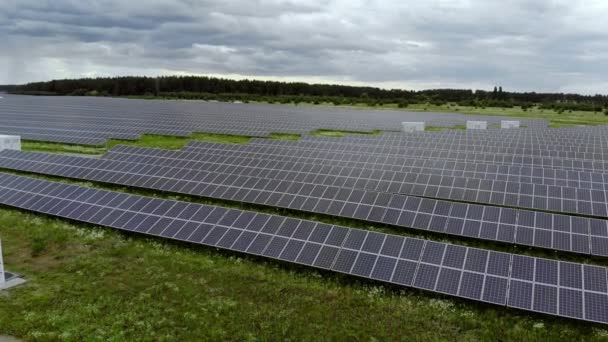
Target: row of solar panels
585 133
567 150
378 171
554 231
526 195
534 137
547 286
388 181
448 149
553 198
432 139
401 159
79 120
424 148
200 112
537 141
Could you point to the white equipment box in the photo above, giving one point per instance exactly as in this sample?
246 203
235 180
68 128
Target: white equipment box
412 126
509 124
477 125
10 142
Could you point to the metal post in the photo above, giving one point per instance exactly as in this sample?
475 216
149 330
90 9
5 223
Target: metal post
2 277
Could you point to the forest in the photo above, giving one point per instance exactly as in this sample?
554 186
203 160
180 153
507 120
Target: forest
209 88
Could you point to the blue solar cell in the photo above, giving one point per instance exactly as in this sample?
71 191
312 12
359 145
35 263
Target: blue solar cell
471 285
448 281
383 269
426 276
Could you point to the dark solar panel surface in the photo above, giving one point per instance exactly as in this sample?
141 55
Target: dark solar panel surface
91 121
534 186
545 230
547 286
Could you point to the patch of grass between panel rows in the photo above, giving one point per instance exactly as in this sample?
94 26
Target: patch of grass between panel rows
165 141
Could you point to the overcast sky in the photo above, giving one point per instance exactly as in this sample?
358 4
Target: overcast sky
522 45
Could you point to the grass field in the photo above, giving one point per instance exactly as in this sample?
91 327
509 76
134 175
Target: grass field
28 145
146 140
93 283
88 282
174 143
332 133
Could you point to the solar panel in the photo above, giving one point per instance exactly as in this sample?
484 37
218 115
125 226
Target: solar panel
465 163
476 221
91 121
570 198
499 278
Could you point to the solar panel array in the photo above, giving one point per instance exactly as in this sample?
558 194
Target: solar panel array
545 230
536 284
514 193
390 151
536 186
433 166
91 121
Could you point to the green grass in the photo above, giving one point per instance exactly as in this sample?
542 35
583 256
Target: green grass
146 140
333 133
38 146
86 283
440 128
174 143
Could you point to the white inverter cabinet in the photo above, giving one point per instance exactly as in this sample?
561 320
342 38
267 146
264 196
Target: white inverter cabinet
412 126
477 124
509 124
10 142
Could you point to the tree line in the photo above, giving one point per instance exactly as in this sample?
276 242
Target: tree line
209 88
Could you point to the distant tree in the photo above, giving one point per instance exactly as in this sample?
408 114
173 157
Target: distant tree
200 87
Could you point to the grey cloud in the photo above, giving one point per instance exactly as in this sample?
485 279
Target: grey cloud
523 45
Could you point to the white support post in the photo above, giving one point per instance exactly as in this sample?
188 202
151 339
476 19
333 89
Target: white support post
7 283
2 277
